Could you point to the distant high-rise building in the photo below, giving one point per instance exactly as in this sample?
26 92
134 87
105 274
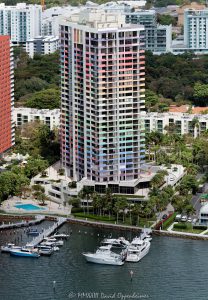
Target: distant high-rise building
6 95
21 22
102 91
42 45
157 37
196 29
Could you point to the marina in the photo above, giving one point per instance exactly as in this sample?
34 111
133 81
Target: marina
46 232
160 275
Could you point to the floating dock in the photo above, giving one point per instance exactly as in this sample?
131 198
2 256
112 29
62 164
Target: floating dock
38 219
37 240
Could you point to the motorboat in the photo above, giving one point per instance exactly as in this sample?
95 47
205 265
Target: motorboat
9 247
137 250
54 241
60 236
25 252
145 236
121 242
44 250
31 231
104 255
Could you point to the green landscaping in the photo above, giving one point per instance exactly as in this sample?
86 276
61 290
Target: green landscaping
186 227
169 221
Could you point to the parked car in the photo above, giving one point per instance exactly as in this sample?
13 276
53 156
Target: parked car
184 218
164 216
194 220
189 219
178 217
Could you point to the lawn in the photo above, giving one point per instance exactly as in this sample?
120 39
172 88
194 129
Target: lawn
189 228
143 222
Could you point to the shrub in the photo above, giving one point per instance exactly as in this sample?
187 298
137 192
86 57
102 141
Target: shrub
72 185
202 227
169 221
180 226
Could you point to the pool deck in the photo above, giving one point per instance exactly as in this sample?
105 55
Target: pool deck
8 206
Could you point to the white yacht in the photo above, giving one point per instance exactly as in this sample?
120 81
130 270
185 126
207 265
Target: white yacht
104 255
54 241
145 235
121 242
9 247
137 250
60 236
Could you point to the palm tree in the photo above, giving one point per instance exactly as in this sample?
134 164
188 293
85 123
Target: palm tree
123 205
195 125
85 193
190 210
137 210
43 198
117 209
96 202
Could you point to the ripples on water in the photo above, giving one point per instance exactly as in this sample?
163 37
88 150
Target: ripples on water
174 269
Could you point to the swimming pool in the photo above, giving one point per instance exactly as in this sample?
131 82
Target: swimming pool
28 207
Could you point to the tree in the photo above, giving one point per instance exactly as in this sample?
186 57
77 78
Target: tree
85 193
201 93
35 166
190 210
97 203
151 99
136 211
195 125
166 20
74 201
47 99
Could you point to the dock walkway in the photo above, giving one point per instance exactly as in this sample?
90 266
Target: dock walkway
37 240
38 219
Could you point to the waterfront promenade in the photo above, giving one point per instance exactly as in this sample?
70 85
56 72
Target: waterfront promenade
38 219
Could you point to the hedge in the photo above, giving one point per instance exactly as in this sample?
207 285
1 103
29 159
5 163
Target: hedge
180 226
202 227
94 217
169 221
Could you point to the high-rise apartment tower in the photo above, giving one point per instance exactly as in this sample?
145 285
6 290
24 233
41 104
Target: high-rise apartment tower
6 95
102 90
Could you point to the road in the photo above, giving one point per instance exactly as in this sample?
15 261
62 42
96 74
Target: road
196 200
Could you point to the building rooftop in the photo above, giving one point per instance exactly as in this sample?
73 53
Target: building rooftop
187 108
204 209
37 111
99 18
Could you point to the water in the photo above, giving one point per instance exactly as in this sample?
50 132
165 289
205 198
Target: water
174 269
29 207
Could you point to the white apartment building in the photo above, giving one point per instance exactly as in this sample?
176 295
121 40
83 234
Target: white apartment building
181 123
21 22
51 18
196 29
22 115
102 91
42 45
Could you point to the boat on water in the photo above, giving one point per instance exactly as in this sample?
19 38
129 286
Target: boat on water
60 236
44 250
137 250
145 235
25 252
9 247
121 242
104 255
53 241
